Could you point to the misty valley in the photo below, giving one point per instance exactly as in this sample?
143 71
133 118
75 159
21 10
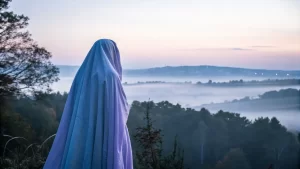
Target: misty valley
205 120
181 104
234 94
191 108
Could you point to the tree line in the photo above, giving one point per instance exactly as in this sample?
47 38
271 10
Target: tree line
186 137
231 83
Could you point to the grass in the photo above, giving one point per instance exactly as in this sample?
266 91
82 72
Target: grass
20 157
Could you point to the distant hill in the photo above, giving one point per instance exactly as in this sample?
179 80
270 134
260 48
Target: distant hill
194 71
285 99
209 71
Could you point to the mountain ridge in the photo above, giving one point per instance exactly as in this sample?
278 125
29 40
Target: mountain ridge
201 70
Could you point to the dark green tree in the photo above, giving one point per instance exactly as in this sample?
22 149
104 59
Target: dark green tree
149 153
235 159
24 66
54 100
150 142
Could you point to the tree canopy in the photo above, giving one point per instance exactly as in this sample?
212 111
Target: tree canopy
24 66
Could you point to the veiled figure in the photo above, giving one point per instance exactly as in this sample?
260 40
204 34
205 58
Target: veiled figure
92 133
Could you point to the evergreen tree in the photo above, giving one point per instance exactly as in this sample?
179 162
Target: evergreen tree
149 155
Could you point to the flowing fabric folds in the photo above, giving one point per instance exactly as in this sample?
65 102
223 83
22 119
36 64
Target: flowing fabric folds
92 133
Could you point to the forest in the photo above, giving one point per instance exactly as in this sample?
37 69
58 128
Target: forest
231 83
204 139
253 83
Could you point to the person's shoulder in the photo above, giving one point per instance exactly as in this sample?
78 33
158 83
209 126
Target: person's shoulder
112 75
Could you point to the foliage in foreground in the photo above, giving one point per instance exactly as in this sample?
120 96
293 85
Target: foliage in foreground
23 155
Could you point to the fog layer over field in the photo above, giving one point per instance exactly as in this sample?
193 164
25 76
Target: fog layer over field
192 95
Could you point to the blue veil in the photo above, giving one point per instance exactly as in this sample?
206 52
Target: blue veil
92 133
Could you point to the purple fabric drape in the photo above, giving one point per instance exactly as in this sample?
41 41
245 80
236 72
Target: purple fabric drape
92 133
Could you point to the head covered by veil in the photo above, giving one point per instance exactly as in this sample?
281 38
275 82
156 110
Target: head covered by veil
92 131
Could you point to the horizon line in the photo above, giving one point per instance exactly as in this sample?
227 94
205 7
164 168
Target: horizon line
193 66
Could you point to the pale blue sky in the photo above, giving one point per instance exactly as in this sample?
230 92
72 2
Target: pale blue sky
240 33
